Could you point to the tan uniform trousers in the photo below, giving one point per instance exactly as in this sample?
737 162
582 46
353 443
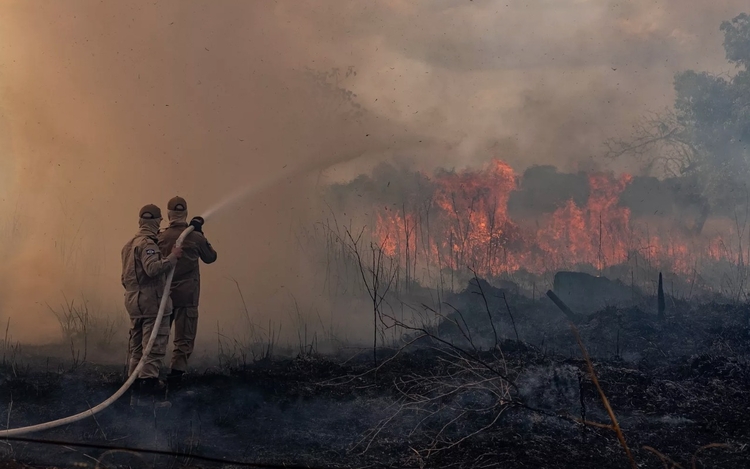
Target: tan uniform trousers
140 332
185 329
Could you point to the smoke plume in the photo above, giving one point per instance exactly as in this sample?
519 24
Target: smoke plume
105 107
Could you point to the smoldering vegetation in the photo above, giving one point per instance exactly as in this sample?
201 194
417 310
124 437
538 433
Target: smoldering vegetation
487 377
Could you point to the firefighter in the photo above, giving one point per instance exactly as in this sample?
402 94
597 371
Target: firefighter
144 276
186 284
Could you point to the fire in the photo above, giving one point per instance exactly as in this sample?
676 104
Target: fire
594 234
465 223
473 209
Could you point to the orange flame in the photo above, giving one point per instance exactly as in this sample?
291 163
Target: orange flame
467 224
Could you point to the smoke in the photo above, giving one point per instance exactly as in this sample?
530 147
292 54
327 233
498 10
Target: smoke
105 107
533 82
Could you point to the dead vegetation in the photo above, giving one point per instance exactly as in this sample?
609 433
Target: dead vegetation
83 327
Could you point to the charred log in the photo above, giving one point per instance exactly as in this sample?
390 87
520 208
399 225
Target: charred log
572 317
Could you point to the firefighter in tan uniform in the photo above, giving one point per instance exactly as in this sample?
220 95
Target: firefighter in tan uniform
144 275
186 283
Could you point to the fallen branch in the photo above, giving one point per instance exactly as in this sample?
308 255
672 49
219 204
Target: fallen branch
592 373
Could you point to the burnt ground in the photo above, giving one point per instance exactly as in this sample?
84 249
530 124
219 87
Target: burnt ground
675 386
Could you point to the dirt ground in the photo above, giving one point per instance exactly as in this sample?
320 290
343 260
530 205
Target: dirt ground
675 386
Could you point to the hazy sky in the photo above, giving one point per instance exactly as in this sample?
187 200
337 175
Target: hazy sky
105 107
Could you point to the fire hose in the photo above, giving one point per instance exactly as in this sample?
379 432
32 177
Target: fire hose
146 351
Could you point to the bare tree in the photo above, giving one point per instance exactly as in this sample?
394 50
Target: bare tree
378 278
662 143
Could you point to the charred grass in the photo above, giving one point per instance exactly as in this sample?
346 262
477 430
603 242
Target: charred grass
680 391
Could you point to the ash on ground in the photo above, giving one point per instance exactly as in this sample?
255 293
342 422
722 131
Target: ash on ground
496 380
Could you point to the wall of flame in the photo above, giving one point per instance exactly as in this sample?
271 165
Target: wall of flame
465 224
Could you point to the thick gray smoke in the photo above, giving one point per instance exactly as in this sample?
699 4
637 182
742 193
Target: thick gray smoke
531 82
105 107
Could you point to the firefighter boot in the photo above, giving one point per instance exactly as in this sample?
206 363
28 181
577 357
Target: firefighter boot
152 393
138 397
174 380
158 391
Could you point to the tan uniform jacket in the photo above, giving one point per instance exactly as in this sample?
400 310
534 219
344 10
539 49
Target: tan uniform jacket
144 275
186 284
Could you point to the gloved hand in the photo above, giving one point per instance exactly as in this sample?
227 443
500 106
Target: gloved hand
197 224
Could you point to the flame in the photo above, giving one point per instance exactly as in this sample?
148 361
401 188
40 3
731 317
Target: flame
465 222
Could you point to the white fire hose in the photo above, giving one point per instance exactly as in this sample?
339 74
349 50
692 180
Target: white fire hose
146 351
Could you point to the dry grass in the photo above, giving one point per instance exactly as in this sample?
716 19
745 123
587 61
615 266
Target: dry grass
82 325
